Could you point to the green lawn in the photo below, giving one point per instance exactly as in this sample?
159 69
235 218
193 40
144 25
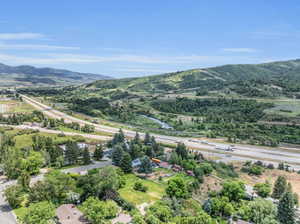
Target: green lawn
20 212
154 193
66 129
25 140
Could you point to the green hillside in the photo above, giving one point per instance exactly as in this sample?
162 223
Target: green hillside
259 80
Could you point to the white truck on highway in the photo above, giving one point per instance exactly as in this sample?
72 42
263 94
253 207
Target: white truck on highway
224 147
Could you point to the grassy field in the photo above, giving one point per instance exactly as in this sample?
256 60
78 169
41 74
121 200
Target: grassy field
25 140
289 108
66 129
154 193
15 106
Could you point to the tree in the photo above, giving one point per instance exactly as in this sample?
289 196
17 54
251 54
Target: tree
98 183
99 212
86 156
200 218
138 186
263 189
39 213
206 167
181 150
280 187
146 166
137 139
261 211
72 152
117 155
177 188
147 139
286 209
234 190
33 163
159 211
98 154
55 187
125 163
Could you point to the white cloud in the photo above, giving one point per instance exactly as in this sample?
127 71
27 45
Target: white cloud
20 36
35 47
199 60
240 50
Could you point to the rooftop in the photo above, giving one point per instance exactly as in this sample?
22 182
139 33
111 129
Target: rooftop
69 214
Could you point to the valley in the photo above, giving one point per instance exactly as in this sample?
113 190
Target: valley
144 138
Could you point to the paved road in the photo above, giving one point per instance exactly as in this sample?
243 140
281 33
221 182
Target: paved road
241 152
6 214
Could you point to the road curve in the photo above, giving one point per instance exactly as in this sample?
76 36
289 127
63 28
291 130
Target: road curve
241 152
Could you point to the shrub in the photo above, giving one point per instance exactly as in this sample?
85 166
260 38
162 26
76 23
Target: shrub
138 186
263 189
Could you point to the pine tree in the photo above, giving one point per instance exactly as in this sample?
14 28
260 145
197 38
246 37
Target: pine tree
137 139
147 140
280 187
286 209
72 152
117 155
125 163
181 150
98 154
86 156
146 166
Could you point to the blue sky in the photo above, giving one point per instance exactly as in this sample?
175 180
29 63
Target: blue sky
136 37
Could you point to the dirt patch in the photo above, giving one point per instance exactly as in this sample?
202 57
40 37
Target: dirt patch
210 183
271 176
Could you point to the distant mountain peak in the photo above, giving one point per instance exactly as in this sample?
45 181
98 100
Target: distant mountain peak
26 75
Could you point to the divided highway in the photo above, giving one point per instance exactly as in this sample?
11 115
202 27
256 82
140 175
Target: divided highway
240 153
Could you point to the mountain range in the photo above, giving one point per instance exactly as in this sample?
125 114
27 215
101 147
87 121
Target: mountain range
26 75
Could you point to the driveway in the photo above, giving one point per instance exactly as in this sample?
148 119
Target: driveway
83 169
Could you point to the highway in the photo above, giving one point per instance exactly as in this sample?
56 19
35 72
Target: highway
240 153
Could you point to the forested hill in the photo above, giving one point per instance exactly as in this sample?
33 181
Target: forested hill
26 75
260 80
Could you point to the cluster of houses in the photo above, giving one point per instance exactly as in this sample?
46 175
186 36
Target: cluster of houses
157 163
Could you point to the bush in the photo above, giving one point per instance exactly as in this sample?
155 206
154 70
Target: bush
263 189
206 167
256 170
138 186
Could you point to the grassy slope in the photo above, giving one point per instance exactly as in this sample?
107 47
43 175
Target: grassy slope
287 71
154 193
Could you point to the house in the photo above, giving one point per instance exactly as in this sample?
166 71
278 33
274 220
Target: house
136 163
122 218
69 214
81 145
161 164
176 168
165 165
